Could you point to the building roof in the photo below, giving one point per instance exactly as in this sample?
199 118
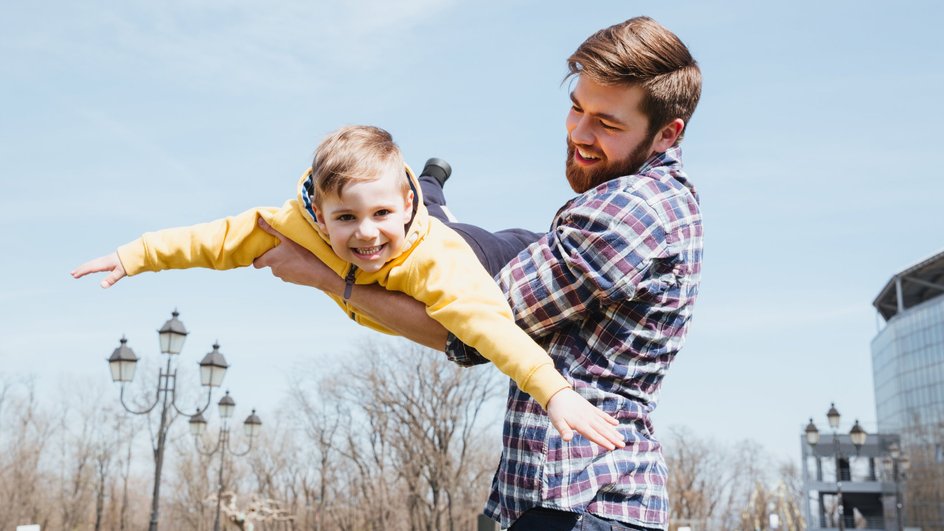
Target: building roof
920 282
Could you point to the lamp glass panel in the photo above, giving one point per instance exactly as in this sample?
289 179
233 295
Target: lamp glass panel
226 410
216 376
197 428
122 370
858 437
172 343
250 429
812 437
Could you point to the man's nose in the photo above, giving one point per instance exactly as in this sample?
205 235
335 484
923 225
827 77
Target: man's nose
581 132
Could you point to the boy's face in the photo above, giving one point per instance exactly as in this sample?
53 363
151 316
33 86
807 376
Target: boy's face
365 225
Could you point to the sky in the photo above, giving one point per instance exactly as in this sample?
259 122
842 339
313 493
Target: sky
808 150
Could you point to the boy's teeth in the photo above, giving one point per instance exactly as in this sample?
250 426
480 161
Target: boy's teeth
369 250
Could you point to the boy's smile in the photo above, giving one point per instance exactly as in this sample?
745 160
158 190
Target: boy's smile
365 225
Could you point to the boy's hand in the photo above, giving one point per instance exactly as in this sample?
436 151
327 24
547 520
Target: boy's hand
109 263
571 412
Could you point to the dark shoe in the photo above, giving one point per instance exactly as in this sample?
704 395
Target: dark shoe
437 169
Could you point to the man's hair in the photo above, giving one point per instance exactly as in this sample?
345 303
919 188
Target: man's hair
642 52
354 153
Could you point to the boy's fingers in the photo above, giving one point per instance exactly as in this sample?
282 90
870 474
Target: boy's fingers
612 435
110 280
595 436
564 429
92 266
607 417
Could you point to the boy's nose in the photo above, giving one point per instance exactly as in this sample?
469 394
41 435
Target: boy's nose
366 230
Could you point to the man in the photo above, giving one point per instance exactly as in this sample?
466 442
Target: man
608 290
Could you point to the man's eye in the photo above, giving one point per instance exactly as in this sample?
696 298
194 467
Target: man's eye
575 108
609 127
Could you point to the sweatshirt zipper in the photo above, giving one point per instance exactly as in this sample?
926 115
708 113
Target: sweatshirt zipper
349 285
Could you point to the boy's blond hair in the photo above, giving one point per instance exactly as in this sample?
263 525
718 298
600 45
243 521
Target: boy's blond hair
355 153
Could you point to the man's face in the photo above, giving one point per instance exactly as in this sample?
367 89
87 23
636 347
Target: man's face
607 134
365 224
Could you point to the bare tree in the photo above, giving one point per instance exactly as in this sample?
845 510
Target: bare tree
721 487
26 429
424 410
396 430
396 443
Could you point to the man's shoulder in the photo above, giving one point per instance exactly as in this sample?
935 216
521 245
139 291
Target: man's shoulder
633 201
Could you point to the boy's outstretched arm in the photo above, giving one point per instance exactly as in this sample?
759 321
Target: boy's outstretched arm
108 263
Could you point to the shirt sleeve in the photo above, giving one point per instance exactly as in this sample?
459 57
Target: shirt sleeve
597 253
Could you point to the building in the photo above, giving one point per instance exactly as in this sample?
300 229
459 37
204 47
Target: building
908 374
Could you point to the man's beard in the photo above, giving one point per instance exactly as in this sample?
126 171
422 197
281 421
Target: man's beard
582 179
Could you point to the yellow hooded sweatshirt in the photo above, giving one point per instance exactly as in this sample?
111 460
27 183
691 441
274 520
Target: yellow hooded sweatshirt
438 268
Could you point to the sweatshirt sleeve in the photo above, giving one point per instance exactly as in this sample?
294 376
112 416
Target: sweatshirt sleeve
226 243
459 293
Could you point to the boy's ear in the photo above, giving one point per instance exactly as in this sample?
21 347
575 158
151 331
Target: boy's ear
319 217
408 207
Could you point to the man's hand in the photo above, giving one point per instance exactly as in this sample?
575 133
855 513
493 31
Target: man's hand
571 412
108 263
293 263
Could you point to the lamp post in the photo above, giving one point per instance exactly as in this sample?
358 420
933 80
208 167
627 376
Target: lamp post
251 427
123 362
857 435
899 463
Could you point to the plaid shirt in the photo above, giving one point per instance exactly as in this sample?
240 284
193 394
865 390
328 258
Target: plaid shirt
609 293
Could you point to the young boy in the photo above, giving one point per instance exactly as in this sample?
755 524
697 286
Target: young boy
359 210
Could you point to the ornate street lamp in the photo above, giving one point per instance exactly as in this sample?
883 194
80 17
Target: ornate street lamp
251 427
122 363
858 437
213 367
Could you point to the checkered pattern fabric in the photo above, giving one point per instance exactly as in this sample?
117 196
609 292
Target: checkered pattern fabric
609 293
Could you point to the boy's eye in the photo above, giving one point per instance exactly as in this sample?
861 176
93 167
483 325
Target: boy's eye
383 212
345 217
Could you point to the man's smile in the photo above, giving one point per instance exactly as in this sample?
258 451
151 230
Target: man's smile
585 156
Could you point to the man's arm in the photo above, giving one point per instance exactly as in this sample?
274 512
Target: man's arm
595 254
397 311
568 411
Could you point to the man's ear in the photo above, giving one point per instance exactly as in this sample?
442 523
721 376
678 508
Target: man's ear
408 207
667 136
